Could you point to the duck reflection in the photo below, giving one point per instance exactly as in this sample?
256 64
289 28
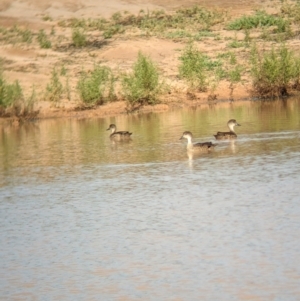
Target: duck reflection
115 144
232 146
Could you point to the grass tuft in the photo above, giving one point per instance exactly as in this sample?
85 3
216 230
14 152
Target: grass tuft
43 40
79 38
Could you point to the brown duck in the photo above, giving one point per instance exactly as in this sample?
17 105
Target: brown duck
228 135
204 146
120 135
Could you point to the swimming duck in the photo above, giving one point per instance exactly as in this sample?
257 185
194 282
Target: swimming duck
120 135
228 135
204 146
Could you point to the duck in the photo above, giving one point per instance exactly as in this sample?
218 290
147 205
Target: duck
228 135
204 146
120 135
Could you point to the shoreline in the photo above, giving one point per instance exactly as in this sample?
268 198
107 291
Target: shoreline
118 108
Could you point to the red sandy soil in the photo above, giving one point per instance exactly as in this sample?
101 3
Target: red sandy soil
32 65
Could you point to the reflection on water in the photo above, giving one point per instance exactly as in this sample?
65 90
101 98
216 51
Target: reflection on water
87 218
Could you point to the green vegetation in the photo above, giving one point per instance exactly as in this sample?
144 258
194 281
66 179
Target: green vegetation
47 18
259 19
15 35
26 36
43 40
195 22
79 38
143 85
97 86
12 100
234 76
194 67
112 30
255 55
63 70
235 44
291 10
54 89
274 72
28 105
9 93
188 35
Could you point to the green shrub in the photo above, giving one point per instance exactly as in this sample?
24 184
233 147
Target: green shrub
54 89
247 38
296 80
143 86
193 68
232 58
79 38
235 74
97 86
291 10
259 19
47 18
9 93
43 39
274 71
24 108
12 100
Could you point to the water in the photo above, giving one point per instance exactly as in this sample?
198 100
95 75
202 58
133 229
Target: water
83 218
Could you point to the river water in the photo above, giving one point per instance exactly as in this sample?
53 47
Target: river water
84 218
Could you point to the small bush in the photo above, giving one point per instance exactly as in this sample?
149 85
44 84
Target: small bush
47 18
54 89
9 93
193 68
97 86
235 74
43 40
24 108
143 86
273 72
79 38
260 19
291 10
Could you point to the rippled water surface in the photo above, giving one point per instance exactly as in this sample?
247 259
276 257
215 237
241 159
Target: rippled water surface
83 218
